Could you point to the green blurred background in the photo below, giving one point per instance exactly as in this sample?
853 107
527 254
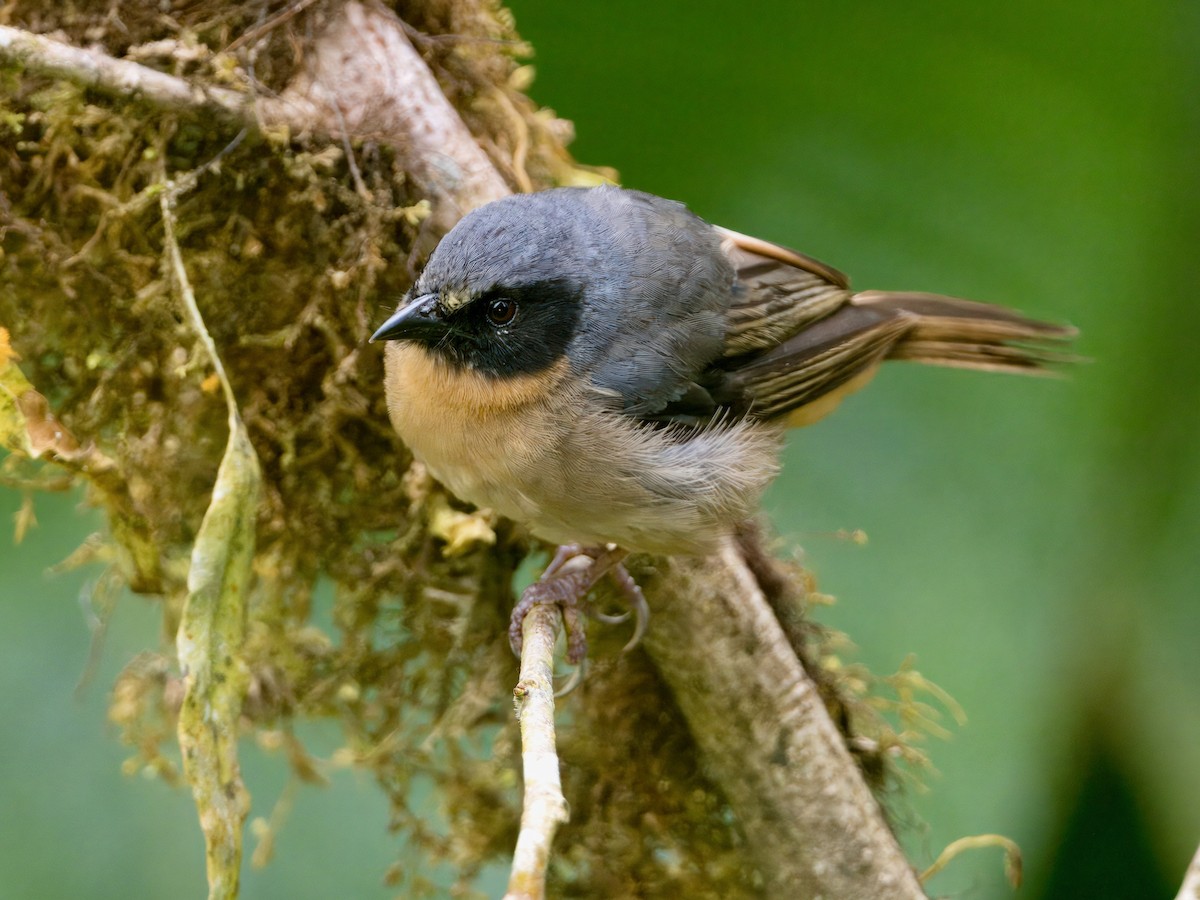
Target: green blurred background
1036 543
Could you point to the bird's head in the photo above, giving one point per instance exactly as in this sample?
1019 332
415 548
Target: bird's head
504 292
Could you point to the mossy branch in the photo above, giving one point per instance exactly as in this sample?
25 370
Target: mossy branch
812 825
362 79
118 77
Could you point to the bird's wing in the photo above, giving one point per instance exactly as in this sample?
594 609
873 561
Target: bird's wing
778 292
799 340
794 340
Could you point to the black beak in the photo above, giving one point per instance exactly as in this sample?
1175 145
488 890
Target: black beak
419 319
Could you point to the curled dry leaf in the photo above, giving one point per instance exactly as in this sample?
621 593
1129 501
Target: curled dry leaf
27 425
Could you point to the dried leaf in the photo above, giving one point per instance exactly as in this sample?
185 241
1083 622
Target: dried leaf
209 643
462 531
212 627
26 424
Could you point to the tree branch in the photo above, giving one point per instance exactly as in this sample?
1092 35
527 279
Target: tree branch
365 77
810 821
545 808
361 79
118 77
1190 889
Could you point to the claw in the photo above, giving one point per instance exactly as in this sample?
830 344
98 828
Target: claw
564 554
564 591
637 604
573 681
609 618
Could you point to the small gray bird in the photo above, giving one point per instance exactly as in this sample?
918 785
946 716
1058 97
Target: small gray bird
609 369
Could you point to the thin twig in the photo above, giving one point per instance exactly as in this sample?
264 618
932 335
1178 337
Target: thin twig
167 205
545 808
249 37
1190 890
520 149
348 149
93 69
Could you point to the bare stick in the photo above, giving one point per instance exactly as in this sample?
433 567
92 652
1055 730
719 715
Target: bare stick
545 808
101 72
1190 890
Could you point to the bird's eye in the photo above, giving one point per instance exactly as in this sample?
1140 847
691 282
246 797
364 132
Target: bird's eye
501 311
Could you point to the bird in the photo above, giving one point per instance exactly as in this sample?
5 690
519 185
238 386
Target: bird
617 374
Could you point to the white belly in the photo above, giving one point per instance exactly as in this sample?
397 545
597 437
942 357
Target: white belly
544 456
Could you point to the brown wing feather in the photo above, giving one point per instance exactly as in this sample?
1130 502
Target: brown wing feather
766 250
779 292
799 339
815 362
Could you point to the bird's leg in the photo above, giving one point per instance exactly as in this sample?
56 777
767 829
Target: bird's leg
566 586
563 555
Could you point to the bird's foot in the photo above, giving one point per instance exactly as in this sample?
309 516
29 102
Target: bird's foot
565 591
571 574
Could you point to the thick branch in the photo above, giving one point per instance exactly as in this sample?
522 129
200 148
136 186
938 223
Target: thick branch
364 78
810 820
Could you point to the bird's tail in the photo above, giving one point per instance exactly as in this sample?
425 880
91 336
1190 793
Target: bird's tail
946 331
805 377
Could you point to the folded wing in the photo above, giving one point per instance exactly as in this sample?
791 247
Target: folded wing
799 339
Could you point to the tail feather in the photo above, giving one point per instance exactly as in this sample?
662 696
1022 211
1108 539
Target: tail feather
946 331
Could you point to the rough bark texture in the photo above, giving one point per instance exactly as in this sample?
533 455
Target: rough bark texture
810 820
363 77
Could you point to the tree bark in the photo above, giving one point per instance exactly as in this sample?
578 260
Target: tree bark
768 741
